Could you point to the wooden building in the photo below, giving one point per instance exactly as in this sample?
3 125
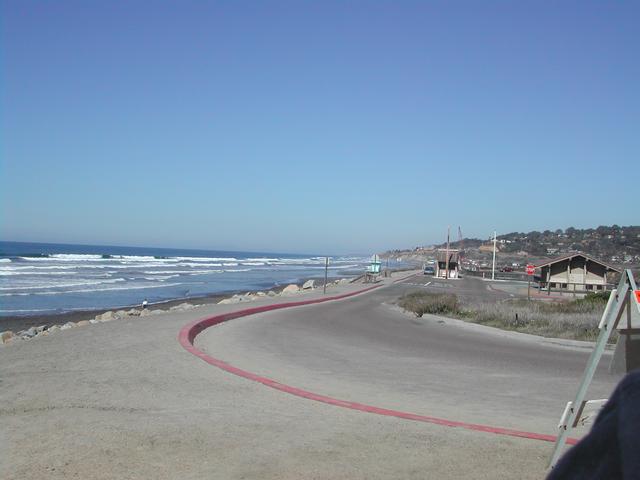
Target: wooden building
453 264
576 273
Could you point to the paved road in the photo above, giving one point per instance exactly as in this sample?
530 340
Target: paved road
124 400
468 289
367 350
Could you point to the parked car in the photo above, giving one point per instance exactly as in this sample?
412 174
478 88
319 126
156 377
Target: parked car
429 270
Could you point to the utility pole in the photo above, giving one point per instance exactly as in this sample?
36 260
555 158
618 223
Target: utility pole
326 268
446 272
460 249
493 270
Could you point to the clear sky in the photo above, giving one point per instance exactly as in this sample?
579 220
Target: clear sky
315 126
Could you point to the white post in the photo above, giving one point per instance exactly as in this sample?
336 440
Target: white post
446 271
326 268
493 270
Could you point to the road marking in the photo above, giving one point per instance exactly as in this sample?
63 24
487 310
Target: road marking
430 284
189 332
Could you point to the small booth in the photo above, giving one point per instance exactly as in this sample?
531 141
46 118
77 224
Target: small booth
373 270
447 263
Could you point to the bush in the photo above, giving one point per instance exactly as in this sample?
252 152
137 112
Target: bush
577 319
422 302
574 320
597 297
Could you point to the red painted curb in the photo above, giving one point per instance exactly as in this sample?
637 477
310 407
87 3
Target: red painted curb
189 332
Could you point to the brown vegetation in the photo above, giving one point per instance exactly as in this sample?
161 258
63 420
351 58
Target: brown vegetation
577 319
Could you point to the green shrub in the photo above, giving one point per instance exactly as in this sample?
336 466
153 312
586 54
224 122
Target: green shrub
422 302
596 297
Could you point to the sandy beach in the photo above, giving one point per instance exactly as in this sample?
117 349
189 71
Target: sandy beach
123 399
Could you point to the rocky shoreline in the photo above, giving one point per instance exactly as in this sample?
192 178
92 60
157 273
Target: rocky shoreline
16 329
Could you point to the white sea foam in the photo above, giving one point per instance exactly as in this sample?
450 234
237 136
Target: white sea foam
141 258
160 278
62 285
198 265
93 290
203 272
73 257
33 267
88 275
179 272
207 259
6 273
298 261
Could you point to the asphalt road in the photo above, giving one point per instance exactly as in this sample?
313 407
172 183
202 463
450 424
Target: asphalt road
367 350
124 400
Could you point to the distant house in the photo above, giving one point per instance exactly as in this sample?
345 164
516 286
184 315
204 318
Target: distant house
453 264
575 273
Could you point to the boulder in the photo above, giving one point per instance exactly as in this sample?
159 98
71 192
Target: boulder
231 300
53 328
182 307
344 281
32 332
309 285
41 328
106 316
5 336
67 326
261 294
82 323
271 293
94 321
145 313
121 313
289 289
133 312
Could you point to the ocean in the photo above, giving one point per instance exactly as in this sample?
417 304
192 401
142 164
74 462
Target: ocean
38 278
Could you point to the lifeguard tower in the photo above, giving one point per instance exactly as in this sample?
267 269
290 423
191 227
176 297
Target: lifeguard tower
373 270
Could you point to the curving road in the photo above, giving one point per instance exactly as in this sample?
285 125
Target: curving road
124 399
366 350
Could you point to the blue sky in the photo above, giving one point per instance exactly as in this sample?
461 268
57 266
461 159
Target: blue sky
315 126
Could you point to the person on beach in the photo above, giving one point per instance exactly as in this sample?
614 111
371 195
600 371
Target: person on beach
144 304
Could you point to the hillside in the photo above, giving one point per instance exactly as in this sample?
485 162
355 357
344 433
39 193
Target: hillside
615 244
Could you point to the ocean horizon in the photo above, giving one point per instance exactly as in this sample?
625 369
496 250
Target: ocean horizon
49 278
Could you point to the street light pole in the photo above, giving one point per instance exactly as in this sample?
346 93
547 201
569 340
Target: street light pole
326 268
493 270
446 271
